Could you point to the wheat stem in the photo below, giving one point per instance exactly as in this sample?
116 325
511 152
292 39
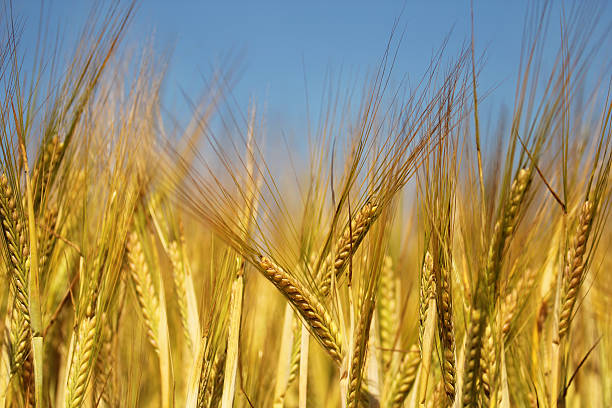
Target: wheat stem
233 338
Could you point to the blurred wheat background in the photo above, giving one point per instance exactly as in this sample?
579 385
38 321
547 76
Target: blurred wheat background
400 248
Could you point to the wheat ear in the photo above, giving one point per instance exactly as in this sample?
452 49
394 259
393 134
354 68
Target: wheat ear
358 359
488 366
103 382
348 243
81 362
210 385
426 294
152 305
178 274
16 239
45 169
47 239
573 273
387 311
403 380
446 332
312 311
471 366
145 291
14 235
295 353
504 227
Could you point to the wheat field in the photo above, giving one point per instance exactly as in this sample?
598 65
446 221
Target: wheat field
409 257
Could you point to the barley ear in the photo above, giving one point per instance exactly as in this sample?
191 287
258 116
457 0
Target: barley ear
387 311
403 380
472 359
81 361
573 273
504 227
358 358
446 332
312 311
348 243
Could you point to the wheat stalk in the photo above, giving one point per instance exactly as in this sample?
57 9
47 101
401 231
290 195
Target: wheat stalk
284 358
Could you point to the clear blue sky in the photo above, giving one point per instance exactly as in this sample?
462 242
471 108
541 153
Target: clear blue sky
283 41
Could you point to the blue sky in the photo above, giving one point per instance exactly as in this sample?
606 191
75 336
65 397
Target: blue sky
282 42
